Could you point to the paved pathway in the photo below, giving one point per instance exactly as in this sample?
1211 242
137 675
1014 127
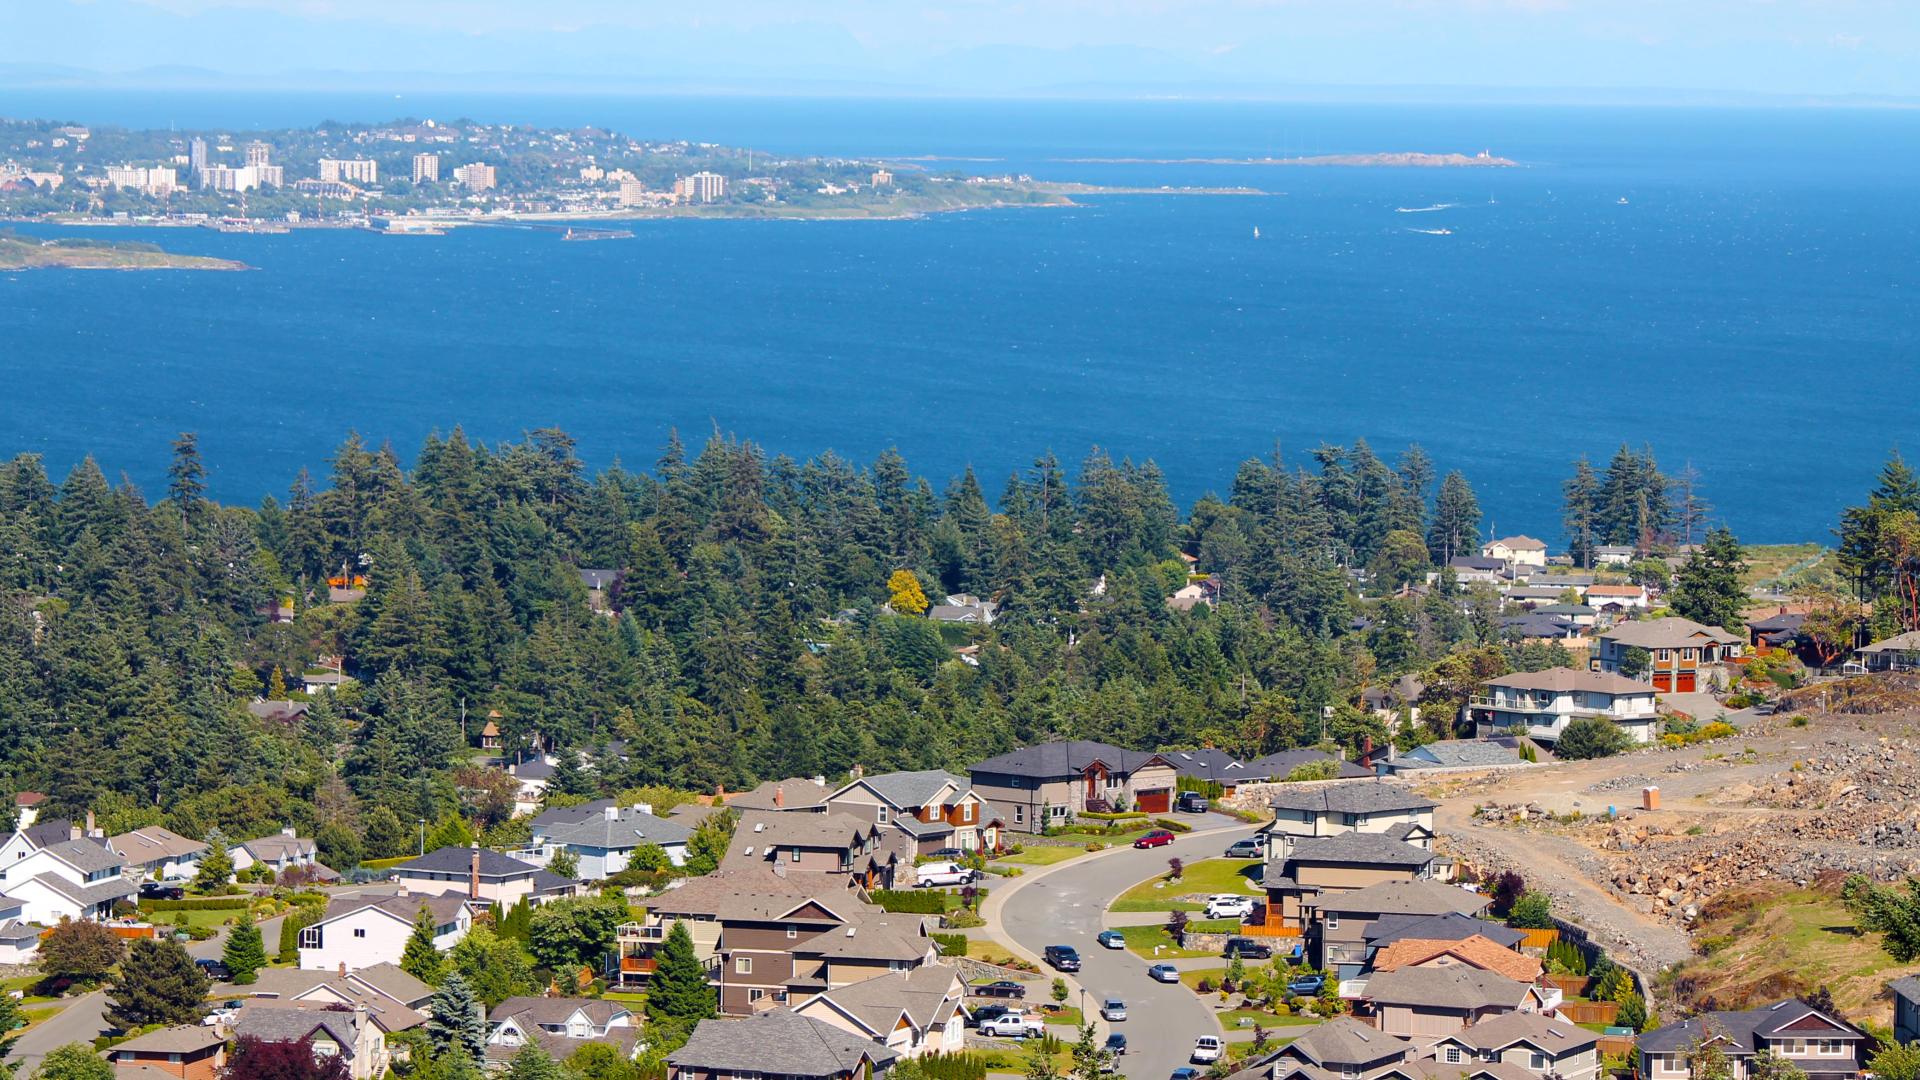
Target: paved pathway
1065 904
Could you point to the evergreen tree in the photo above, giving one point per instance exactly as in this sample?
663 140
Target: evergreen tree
1456 520
11 1018
454 1023
532 1063
679 996
245 953
187 477
1708 588
1580 516
215 873
419 958
158 984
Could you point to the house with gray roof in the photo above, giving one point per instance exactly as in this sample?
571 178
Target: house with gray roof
362 930
1898 653
483 876
560 1026
794 795
19 941
1459 754
1277 767
80 879
1682 653
777 1045
1533 1041
922 1011
1425 1004
1906 1009
604 836
1318 873
1448 925
157 854
1048 783
328 1030
934 807
1311 811
283 851
1540 704
1823 1046
1340 1049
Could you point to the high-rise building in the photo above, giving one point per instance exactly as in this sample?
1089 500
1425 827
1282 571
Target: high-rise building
701 187
426 168
477 176
882 178
259 153
633 193
350 171
155 181
196 158
269 175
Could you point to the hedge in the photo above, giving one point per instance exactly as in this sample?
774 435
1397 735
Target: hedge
1170 825
917 902
386 864
951 944
1128 815
201 903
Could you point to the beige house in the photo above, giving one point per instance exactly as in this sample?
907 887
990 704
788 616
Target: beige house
1308 811
1680 651
1517 550
832 842
910 1012
1426 1004
1317 870
1346 917
1047 784
1535 1042
934 807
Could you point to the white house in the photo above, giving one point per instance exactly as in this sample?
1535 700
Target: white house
30 836
280 852
604 836
157 854
19 942
1613 554
1623 596
1518 550
1545 702
481 875
559 1025
74 879
532 776
916 1012
362 931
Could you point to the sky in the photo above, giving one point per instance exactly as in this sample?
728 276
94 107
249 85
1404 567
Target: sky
1805 49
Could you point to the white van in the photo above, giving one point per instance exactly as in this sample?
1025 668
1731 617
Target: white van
930 875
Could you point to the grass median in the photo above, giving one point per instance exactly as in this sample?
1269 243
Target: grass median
1206 877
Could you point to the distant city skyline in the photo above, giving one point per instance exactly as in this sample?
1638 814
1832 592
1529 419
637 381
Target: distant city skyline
1557 49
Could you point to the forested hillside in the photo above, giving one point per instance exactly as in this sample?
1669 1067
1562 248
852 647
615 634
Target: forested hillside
750 636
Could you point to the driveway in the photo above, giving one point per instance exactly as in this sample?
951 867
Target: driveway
1064 905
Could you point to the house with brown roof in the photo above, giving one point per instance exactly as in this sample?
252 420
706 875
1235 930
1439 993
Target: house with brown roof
833 842
922 1011
1426 1004
1540 1044
157 854
1540 704
1682 652
778 1044
186 1053
1476 951
794 795
1516 551
1342 920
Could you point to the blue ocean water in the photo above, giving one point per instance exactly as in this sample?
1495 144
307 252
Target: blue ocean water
1749 308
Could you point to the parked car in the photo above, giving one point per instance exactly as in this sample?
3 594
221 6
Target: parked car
222 1012
1014 1026
1305 985
1111 939
1116 1045
949 854
1207 1049
1113 1010
1245 849
1156 838
930 875
214 969
1062 957
1165 973
154 890
1184 1072
1191 802
1005 988
1247 949
982 1013
1227 906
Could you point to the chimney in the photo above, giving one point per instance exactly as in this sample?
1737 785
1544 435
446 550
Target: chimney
613 813
473 879
1366 751
779 795
402 890
289 832
857 771
343 969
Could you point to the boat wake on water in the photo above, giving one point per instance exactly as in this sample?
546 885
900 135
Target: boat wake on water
1433 232
1424 209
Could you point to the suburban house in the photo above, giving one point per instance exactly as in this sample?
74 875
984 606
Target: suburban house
559 1025
1518 550
1390 702
1906 1009
778 1043
1446 926
603 836
283 851
865 947
1679 649
1424 1004
964 608
1277 767
1048 783
1340 1049
19 942
758 914
922 1011
329 1031
833 842
1479 570
73 879
1899 653
1303 882
1343 919
1461 754
1540 704
1780 630
193 1052
393 997
1538 1043
157 854
796 794
1824 1047
1625 597
276 710
1367 806
30 835
531 774
936 808
1474 950
1210 766
483 876
362 931
1614 554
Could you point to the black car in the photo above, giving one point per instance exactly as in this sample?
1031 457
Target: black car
1005 988
1063 957
153 890
214 969
983 1013
1248 949
1191 802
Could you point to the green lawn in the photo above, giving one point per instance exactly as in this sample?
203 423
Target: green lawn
1230 1020
1043 855
1203 878
1191 979
211 919
634 999
1066 1014
1142 939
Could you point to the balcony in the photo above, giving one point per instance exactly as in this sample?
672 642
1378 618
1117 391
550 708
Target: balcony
638 965
636 932
1521 704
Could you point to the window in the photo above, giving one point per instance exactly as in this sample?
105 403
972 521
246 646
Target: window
1453 1055
1828 1047
756 994
1537 1062
743 965
796 855
310 937
966 812
1333 920
359 931
883 815
792 932
1019 814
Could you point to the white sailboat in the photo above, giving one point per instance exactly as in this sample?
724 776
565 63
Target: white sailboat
1256 232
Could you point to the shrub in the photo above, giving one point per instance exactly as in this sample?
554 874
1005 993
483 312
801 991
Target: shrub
208 903
1534 911
1126 815
1170 825
951 944
1591 737
911 901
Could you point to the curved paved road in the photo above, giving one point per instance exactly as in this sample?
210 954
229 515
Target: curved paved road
1065 905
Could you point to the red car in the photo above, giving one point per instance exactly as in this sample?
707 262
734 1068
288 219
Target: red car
1156 838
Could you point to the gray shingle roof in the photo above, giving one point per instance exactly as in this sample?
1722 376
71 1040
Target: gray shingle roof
556 1010
1370 797
280 847
1279 766
153 844
1456 986
1461 753
291 1024
1422 896
912 789
87 856
778 1041
1447 926
922 994
1744 1028
890 937
1346 1041
98 892
173 1040
1563 680
630 829
1068 758
1550 1035
459 860
1672 632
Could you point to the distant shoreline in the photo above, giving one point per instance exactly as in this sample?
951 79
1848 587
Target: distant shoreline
1387 161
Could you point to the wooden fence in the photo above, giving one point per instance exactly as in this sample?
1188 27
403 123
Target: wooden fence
1538 939
1590 1012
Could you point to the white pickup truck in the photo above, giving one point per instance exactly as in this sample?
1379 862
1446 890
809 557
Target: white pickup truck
1207 1049
1014 1026
933 874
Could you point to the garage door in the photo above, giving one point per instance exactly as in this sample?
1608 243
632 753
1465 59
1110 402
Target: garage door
1685 683
1158 801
